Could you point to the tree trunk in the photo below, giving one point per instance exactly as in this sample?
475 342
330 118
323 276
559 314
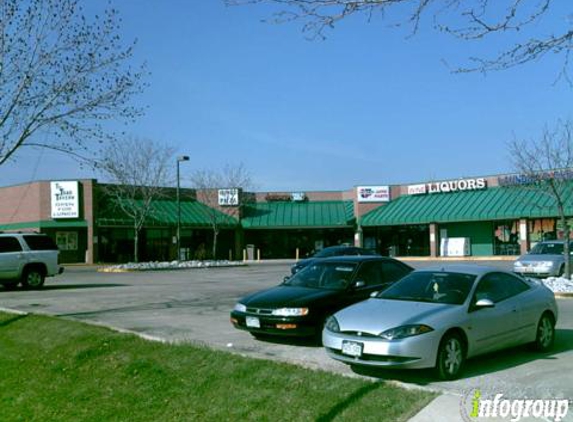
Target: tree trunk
136 245
566 252
215 236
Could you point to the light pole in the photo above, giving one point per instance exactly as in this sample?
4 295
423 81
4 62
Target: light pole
179 159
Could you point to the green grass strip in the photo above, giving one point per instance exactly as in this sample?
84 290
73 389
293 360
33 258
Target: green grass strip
58 370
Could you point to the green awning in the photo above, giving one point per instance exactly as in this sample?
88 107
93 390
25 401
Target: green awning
164 213
45 224
497 203
284 215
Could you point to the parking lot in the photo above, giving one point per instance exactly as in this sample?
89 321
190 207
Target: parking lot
193 305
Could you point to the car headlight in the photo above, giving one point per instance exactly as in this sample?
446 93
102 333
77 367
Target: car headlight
405 331
547 264
286 312
239 307
517 264
331 324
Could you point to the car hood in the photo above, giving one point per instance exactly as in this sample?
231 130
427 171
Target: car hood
540 257
285 296
374 316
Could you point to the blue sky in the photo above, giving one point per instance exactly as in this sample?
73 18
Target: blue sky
365 106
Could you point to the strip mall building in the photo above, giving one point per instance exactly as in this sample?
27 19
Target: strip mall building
483 216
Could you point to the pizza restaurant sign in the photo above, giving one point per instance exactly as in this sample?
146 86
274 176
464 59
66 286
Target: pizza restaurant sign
448 186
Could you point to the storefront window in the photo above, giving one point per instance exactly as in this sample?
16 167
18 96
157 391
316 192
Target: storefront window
506 238
542 229
411 240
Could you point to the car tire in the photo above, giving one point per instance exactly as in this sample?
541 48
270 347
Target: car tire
561 270
33 278
450 359
545 336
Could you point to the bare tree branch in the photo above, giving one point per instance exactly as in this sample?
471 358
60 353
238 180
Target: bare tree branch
209 181
463 19
139 170
546 165
62 73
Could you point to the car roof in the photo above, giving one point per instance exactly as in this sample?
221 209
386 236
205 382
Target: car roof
357 258
473 269
340 247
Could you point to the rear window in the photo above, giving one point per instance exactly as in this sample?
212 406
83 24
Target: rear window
40 243
9 244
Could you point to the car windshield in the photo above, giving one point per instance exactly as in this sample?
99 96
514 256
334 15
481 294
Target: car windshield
324 275
547 249
433 287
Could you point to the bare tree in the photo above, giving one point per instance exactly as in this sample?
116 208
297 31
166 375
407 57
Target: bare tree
545 166
139 170
208 182
62 75
464 19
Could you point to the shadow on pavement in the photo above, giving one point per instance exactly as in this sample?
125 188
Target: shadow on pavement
482 365
67 287
289 341
82 286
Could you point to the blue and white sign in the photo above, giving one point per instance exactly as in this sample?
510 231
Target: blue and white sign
373 193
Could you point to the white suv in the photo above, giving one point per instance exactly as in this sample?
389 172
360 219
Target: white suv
27 258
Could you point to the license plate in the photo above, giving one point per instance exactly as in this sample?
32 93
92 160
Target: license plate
529 270
352 348
253 322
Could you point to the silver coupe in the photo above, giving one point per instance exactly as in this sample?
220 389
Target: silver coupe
440 316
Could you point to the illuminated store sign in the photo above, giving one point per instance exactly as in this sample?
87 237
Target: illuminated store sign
448 186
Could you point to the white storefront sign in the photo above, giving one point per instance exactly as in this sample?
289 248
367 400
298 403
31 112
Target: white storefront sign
298 196
416 189
448 186
229 197
65 199
373 193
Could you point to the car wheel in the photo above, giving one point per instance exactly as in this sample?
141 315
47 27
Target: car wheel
561 270
545 333
450 357
33 279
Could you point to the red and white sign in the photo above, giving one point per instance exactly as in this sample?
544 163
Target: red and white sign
373 193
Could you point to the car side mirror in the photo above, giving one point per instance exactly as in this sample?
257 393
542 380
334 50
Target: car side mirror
484 303
287 278
359 284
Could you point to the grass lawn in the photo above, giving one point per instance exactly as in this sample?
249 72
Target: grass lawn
57 370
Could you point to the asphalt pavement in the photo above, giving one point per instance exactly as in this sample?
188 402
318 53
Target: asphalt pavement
193 306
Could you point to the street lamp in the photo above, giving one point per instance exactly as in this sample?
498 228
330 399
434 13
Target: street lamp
179 159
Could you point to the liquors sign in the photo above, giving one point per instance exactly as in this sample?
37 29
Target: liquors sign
65 200
448 186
